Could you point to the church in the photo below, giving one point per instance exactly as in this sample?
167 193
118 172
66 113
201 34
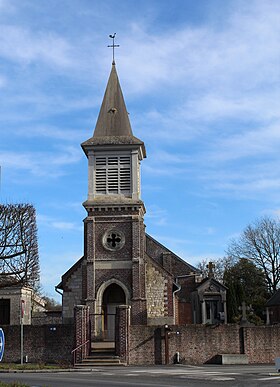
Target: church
122 264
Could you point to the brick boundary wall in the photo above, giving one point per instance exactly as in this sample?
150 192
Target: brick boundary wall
199 344
42 343
82 331
122 332
139 344
262 343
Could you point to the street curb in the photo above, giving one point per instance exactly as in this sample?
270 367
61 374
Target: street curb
11 371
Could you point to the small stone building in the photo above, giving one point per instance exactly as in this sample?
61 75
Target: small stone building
18 302
122 264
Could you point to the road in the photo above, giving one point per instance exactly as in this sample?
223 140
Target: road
171 376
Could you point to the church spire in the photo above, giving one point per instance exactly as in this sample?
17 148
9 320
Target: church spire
113 125
113 118
113 153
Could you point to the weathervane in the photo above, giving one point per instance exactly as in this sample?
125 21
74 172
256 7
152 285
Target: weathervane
113 46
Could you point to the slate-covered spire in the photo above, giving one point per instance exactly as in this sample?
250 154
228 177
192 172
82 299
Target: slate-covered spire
113 118
113 125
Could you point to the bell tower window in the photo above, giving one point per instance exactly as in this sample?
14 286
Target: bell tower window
112 174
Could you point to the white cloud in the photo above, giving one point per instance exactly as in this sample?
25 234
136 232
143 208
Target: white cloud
41 163
66 226
52 132
206 55
48 221
22 45
157 215
245 143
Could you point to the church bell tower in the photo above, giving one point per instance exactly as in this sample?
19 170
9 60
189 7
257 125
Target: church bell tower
114 227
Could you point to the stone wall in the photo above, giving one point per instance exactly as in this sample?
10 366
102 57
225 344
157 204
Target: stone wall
156 289
52 317
72 294
159 295
45 343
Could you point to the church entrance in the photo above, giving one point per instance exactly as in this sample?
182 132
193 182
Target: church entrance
113 296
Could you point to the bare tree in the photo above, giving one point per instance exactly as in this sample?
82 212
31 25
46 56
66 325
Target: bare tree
218 266
19 258
260 242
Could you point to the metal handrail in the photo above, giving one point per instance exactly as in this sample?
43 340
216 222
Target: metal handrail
75 350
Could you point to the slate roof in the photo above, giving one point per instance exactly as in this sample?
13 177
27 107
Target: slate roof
113 125
187 265
274 300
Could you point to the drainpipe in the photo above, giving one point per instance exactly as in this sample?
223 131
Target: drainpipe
57 291
175 291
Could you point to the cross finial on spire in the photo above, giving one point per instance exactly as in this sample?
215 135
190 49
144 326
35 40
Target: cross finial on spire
113 46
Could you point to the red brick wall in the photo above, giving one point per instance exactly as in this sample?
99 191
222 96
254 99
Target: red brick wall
262 344
142 345
41 343
198 344
82 331
122 332
185 313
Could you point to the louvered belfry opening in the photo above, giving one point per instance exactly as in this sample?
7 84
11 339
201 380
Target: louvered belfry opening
113 174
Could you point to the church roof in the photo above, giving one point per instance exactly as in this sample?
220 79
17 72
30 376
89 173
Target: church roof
113 125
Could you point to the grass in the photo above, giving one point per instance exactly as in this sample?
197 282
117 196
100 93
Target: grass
13 384
31 366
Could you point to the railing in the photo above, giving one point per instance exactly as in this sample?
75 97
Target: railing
74 352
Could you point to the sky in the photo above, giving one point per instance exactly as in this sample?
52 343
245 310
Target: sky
201 84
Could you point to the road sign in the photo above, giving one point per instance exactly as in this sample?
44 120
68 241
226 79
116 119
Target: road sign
2 343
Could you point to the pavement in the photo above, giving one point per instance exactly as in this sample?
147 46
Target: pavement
146 376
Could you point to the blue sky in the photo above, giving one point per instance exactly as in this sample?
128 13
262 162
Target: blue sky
201 84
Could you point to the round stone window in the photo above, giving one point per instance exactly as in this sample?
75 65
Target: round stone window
113 240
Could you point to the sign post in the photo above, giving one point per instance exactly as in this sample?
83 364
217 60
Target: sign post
2 343
21 330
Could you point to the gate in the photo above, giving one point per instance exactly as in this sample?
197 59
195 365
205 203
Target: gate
104 326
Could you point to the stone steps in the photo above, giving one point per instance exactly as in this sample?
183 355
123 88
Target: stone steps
94 361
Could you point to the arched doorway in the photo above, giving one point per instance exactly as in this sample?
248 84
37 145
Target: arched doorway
113 296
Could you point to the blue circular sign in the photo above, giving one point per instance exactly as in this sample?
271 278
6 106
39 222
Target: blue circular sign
2 343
